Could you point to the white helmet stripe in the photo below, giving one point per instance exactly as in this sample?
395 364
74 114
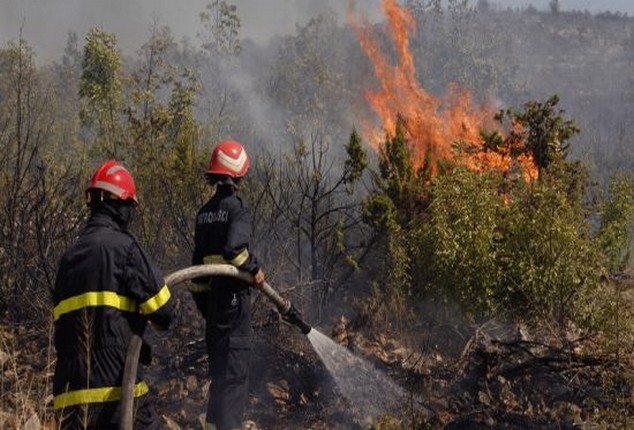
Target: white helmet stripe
114 169
107 186
235 164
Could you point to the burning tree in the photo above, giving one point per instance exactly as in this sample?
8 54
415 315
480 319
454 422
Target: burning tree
484 209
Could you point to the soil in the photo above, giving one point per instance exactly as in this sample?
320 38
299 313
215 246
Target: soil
457 376
497 376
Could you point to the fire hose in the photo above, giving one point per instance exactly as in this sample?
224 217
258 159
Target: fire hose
286 309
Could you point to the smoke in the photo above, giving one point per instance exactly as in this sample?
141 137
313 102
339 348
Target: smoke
45 25
593 6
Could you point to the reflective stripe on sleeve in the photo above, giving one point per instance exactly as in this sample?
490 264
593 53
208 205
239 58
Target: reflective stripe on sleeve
95 395
214 259
240 258
154 303
94 298
237 261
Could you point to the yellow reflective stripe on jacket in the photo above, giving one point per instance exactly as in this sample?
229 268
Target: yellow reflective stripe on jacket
214 259
155 302
95 395
237 261
94 298
240 258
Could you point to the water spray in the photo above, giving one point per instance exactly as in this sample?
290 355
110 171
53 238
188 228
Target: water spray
287 310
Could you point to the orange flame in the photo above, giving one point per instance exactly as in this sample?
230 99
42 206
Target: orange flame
431 125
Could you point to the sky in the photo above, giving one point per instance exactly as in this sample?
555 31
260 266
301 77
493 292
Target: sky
45 23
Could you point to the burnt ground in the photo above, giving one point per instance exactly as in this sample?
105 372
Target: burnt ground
457 376
289 386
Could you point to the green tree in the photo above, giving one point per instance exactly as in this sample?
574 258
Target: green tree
162 148
456 248
547 255
617 218
307 81
221 29
64 77
100 91
398 203
543 130
224 107
496 244
399 179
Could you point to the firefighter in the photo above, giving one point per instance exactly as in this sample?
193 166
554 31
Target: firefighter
106 287
222 236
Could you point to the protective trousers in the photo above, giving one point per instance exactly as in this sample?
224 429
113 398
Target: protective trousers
229 340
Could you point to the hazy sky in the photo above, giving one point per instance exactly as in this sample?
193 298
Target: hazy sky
46 23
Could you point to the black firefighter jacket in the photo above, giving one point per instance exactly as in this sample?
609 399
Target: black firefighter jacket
106 286
222 235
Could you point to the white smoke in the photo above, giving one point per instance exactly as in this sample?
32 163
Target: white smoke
46 24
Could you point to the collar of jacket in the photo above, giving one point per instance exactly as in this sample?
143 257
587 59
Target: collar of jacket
103 218
224 190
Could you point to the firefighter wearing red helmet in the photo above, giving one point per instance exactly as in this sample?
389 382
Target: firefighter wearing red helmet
113 179
228 159
222 236
106 287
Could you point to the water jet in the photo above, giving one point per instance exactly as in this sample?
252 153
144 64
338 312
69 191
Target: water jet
367 389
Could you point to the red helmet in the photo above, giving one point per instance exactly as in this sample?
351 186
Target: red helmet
229 158
112 177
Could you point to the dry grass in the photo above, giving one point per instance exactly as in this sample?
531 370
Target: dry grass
26 365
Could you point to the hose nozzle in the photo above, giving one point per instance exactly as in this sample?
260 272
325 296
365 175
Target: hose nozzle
291 315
